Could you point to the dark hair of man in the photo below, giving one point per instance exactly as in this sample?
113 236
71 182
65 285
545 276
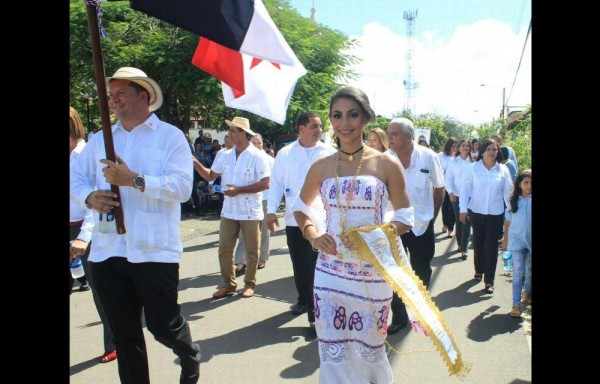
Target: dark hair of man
304 118
517 191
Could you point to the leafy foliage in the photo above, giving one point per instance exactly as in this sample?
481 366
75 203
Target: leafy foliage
520 140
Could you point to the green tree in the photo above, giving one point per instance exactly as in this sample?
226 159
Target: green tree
519 139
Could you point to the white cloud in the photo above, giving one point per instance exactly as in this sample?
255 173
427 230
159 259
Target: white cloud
448 71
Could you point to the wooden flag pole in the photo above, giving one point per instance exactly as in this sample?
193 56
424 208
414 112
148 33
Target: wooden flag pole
103 105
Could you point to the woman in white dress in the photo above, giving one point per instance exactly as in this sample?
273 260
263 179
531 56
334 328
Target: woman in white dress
357 186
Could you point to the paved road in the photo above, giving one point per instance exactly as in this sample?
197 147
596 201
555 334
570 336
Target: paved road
258 341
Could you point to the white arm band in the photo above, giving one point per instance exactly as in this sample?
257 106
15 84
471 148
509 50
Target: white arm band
315 212
405 215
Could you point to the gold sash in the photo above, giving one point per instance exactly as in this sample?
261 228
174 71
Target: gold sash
378 245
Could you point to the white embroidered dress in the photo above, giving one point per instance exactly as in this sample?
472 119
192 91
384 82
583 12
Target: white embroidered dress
352 300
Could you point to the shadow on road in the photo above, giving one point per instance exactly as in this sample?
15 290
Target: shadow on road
75 369
278 290
489 324
459 296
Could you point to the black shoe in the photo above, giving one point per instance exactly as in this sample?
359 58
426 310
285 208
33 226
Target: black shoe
84 287
190 372
299 309
240 272
190 378
395 328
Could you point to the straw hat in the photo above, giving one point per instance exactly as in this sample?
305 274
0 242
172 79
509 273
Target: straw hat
240 122
140 78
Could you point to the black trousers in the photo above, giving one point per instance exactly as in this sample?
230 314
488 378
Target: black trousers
448 217
125 288
304 260
486 229
420 250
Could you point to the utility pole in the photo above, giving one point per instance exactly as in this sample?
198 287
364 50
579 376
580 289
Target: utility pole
409 84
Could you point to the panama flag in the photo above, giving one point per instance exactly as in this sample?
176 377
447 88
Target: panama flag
241 46
249 83
242 25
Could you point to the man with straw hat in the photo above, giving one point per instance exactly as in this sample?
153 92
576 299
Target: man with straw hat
244 175
139 269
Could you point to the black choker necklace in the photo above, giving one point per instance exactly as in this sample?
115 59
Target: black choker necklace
350 155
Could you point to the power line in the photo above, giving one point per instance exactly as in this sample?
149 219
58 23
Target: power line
520 61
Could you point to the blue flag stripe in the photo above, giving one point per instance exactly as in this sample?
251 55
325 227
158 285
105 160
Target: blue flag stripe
222 21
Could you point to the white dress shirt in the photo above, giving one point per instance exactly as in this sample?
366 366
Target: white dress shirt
270 161
485 191
248 168
455 174
424 173
289 172
161 153
444 161
76 212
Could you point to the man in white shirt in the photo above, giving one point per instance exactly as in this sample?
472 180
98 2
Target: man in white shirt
227 145
244 175
511 152
140 268
289 171
424 179
263 254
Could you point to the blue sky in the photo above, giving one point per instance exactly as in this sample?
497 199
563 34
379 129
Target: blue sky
459 44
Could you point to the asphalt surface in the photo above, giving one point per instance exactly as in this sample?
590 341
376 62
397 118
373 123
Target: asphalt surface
258 340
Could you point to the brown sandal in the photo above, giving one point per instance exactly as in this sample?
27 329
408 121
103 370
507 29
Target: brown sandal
516 311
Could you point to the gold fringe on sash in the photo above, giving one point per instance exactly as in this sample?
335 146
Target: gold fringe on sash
362 250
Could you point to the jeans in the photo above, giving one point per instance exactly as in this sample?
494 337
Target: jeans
521 271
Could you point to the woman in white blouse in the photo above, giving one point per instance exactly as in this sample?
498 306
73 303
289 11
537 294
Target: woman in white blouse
446 157
457 169
485 190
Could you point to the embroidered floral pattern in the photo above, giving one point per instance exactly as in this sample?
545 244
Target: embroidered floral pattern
332 192
339 321
368 194
317 309
355 321
382 321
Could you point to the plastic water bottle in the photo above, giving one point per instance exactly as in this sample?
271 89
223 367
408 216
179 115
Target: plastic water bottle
219 188
76 266
106 222
507 259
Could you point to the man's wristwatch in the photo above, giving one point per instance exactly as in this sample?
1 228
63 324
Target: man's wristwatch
139 182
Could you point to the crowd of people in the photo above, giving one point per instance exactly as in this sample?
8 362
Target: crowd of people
376 179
